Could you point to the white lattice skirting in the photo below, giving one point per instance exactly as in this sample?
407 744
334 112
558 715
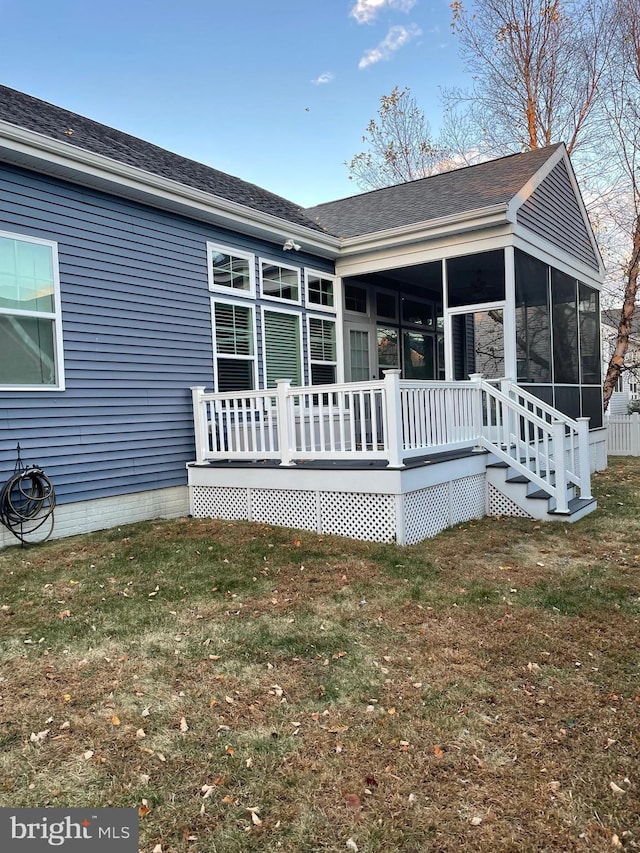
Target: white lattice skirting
405 515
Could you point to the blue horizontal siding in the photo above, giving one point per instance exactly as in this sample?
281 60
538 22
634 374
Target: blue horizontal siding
136 314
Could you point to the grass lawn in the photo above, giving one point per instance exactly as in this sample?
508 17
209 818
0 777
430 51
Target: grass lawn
258 688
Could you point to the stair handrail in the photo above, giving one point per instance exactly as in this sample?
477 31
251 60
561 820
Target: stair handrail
552 435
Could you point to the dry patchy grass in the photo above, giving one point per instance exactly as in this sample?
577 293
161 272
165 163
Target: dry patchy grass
477 692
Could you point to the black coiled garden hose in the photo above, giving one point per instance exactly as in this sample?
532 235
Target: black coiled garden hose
27 501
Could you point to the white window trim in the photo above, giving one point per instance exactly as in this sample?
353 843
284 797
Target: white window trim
313 306
310 360
238 253
277 263
55 315
278 310
254 358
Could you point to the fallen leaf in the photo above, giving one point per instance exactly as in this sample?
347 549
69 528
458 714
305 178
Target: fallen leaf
144 810
38 738
351 845
64 614
183 725
352 800
87 754
161 757
476 821
140 734
115 721
255 819
157 848
228 799
438 751
145 713
616 788
67 697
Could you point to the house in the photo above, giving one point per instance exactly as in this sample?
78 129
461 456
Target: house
174 339
627 389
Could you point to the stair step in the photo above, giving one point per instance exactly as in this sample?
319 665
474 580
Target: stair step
576 505
539 495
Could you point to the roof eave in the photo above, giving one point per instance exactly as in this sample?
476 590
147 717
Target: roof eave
444 226
28 148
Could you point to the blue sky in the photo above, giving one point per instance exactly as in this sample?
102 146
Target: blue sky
278 92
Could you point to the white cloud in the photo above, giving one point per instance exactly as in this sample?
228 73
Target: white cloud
366 11
396 38
325 77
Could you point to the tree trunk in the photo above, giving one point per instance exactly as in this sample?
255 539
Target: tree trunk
626 316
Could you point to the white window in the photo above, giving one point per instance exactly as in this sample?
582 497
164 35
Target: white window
234 346
280 282
321 290
322 350
30 318
231 270
282 347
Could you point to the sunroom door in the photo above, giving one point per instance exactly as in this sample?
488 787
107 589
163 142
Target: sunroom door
478 343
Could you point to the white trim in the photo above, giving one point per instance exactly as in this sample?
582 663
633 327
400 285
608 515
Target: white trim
420 232
237 253
277 263
276 309
314 306
55 316
237 303
22 147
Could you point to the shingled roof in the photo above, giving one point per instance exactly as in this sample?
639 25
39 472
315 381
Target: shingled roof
75 130
460 191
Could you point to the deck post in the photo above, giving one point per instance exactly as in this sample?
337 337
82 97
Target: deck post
478 425
200 425
585 458
560 458
284 422
395 443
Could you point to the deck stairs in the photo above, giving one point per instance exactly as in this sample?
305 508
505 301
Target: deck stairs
512 493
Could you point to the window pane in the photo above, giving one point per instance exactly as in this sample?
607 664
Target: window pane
235 374
320 290
27 351
230 271
323 374
282 348
475 278
234 329
418 351
387 348
533 324
359 355
565 329
386 306
322 339
280 282
417 313
592 406
26 275
355 298
589 313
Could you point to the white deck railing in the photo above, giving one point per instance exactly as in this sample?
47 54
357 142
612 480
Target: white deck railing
396 420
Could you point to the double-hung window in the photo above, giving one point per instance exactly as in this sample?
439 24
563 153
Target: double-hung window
322 350
30 317
234 346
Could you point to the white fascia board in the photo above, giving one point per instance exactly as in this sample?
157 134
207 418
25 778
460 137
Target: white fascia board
421 232
556 257
435 249
34 150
